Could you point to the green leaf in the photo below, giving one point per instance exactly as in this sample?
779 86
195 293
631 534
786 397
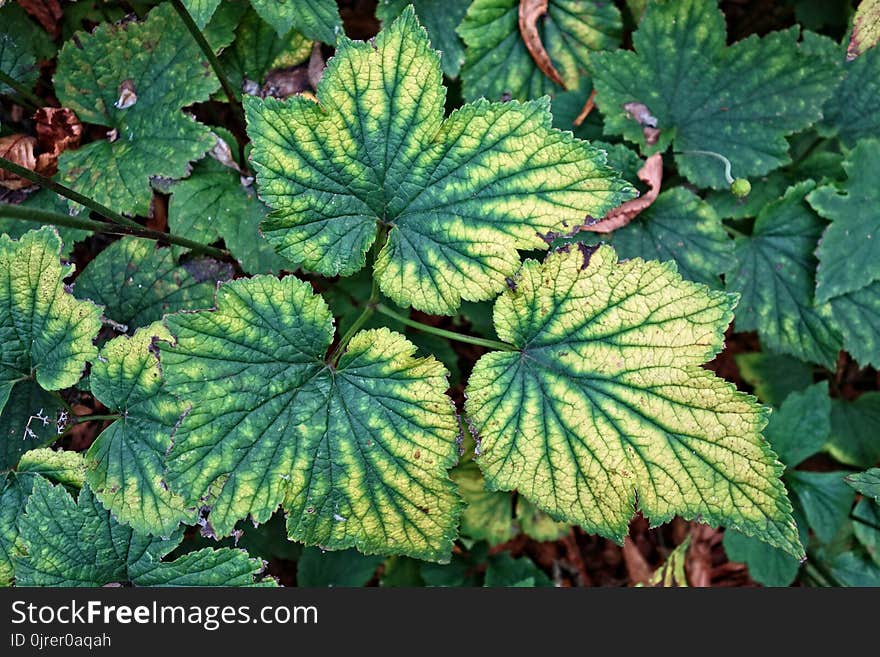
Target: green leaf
212 203
802 425
849 569
343 568
64 467
45 200
671 573
850 112
440 20
850 247
127 461
505 571
498 65
739 101
358 453
15 487
258 49
679 226
79 543
866 527
536 524
138 283
825 498
31 417
153 137
460 195
768 565
774 273
604 402
316 19
46 337
14 491
18 38
488 514
867 483
774 376
201 10
855 430
858 315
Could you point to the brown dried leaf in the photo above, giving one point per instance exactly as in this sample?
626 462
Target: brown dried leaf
529 13
127 95
58 129
699 556
285 82
18 149
640 572
651 174
47 12
585 112
316 65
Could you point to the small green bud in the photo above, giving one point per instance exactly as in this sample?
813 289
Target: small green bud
740 187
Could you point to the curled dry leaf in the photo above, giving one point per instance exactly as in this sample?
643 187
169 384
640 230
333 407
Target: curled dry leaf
641 113
18 149
651 173
127 95
47 12
285 82
316 65
529 13
585 112
866 29
637 567
58 129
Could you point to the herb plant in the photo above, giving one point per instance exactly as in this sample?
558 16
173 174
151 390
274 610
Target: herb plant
469 302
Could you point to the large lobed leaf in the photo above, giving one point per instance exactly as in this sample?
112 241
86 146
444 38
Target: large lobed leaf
459 196
357 453
45 339
79 543
126 463
153 137
604 407
739 101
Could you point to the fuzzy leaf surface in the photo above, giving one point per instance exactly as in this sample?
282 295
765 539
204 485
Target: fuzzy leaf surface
739 101
357 453
459 195
850 247
775 274
127 461
79 543
604 407
167 71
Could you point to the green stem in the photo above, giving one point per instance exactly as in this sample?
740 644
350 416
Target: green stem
443 333
733 232
208 51
66 192
58 219
22 91
79 419
719 156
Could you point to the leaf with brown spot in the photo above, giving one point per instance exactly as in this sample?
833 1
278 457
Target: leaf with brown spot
651 173
529 13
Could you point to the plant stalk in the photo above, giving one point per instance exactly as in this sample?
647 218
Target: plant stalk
21 90
208 52
66 192
58 219
443 333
